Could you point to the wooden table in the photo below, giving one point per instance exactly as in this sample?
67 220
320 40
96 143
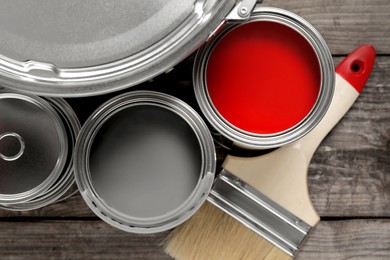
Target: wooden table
349 176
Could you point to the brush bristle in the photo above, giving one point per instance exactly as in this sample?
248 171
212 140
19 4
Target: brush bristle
212 234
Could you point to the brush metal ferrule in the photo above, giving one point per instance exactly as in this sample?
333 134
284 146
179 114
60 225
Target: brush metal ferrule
259 213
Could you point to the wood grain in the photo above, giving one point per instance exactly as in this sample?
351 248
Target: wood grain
349 239
75 240
350 172
345 24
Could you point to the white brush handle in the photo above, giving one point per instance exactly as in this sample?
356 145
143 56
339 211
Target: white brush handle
343 99
282 174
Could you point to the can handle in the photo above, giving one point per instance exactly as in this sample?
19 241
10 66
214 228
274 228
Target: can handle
20 142
242 10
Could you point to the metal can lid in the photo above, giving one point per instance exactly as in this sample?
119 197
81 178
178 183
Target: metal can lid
74 48
33 147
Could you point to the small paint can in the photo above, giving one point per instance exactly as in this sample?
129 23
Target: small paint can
264 82
37 137
144 162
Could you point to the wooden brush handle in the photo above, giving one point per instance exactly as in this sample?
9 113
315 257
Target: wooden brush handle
282 174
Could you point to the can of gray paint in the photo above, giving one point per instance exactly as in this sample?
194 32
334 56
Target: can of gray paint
144 162
37 137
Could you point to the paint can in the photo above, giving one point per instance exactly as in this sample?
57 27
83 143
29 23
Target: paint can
264 82
37 137
144 162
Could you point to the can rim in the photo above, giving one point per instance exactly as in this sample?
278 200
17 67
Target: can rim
267 141
121 220
8 199
66 179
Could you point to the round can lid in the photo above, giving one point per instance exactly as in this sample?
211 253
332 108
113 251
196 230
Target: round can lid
78 48
33 147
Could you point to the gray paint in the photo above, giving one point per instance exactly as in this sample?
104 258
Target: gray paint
42 143
145 161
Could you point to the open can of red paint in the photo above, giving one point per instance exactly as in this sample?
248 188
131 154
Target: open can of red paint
144 162
264 82
37 137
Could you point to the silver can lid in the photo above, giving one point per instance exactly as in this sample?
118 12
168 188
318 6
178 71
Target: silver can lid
79 48
33 147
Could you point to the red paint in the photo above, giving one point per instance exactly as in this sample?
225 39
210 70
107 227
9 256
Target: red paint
263 77
357 66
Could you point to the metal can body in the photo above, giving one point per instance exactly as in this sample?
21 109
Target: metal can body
144 162
257 140
37 162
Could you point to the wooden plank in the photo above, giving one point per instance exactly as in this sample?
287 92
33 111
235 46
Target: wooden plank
75 240
348 239
357 239
345 24
350 172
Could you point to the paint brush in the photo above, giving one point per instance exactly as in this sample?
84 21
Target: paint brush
266 208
